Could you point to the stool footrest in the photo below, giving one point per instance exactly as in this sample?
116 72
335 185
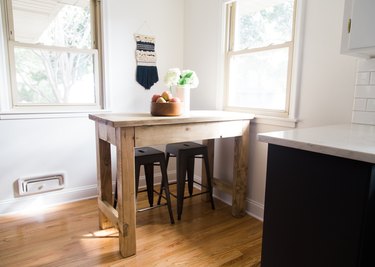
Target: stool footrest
153 207
205 186
193 195
156 192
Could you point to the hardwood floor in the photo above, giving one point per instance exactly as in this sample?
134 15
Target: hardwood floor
68 235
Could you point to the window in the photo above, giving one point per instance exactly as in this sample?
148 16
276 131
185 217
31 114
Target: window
259 55
53 51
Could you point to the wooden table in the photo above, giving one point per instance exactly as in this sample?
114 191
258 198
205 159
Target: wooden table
126 131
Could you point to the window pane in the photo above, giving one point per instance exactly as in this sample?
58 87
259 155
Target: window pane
51 77
259 80
261 23
53 22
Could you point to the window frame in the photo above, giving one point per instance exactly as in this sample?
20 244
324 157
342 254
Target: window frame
11 105
230 21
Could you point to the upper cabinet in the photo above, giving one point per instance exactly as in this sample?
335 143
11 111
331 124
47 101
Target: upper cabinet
358 33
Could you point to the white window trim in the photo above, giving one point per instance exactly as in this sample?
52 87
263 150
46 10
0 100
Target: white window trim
79 106
4 70
297 60
291 120
9 112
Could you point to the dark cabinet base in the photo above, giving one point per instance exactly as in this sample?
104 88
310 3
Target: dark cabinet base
319 210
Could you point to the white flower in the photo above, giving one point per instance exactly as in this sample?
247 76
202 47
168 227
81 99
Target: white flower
186 77
172 77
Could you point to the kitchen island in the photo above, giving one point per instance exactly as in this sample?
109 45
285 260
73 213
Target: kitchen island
320 197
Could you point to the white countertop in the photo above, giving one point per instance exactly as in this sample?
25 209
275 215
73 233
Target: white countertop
353 141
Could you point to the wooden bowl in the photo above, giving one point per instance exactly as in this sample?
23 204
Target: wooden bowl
166 109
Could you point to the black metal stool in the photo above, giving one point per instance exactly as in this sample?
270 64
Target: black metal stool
148 157
185 154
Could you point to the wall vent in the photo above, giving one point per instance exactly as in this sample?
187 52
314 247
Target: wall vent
40 184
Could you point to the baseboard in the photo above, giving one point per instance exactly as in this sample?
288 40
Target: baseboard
223 196
255 209
37 202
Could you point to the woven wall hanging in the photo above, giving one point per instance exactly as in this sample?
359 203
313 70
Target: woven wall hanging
147 73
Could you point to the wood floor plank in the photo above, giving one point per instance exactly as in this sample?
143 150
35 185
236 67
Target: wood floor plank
69 235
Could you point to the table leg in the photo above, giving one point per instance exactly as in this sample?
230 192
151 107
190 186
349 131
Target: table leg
104 176
126 190
211 151
240 171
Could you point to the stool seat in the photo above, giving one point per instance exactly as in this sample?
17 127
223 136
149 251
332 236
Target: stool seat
149 157
185 153
188 147
145 153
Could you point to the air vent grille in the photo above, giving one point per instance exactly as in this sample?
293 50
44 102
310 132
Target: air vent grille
40 184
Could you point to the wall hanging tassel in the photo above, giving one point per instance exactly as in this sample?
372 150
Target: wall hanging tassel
147 73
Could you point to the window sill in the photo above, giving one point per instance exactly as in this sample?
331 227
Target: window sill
275 121
48 115
270 119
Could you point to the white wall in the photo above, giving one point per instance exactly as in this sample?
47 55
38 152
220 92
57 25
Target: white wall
326 85
46 146
162 19
202 40
328 78
30 147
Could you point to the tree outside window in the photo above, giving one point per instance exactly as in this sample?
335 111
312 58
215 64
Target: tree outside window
53 53
259 55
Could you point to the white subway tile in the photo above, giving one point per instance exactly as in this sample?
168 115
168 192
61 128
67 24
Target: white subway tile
366 65
363 78
360 104
364 101
363 117
370 104
362 91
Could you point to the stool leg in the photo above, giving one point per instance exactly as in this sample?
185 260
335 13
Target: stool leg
161 190
209 180
181 172
167 158
149 173
115 197
137 171
162 181
164 185
190 174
